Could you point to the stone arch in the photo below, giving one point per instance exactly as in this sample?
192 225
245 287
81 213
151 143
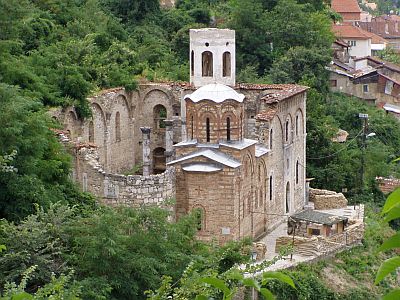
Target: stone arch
159 116
99 131
207 64
153 98
159 160
277 132
248 176
71 124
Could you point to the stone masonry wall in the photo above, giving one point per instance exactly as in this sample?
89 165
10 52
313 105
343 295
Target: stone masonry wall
317 245
117 189
324 199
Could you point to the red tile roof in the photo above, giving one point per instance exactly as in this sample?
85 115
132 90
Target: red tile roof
266 115
345 6
350 31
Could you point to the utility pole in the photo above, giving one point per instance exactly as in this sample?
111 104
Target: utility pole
364 117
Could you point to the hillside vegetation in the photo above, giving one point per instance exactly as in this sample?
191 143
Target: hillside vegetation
58 52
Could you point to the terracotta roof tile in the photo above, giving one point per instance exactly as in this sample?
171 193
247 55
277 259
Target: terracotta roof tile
266 115
345 6
350 31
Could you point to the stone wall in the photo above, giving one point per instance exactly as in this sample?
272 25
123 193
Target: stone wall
117 189
318 245
324 199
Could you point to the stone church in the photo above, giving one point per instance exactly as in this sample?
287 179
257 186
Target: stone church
233 152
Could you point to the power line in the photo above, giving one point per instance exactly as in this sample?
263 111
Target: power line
345 147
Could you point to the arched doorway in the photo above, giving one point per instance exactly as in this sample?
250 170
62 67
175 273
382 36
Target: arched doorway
159 162
287 206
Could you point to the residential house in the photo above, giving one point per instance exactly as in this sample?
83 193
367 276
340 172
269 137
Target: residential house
348 9
386 27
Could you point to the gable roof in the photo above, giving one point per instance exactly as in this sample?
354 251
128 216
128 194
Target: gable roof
345 6
350 31
214 155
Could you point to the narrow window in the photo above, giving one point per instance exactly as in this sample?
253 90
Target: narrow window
365 88
226 64
191 126
386 28
117 127
192 62
199 214
91 132
207 64
287 197
297 125
270 188
270 139
208 129
287 131
228 129
297 172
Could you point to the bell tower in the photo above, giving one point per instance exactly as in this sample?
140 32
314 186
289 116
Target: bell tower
212 56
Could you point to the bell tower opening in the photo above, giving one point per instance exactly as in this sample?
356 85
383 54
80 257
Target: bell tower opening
212 56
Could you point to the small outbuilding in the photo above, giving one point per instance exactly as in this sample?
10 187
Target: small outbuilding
313 222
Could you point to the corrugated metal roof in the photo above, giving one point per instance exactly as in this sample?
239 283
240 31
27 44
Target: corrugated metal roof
239 145
261 150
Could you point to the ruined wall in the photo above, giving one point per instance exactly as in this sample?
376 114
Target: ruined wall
318 245
324 199
117 189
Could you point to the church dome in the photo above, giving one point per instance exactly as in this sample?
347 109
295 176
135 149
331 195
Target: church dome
215 92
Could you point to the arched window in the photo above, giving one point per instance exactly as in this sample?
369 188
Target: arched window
192 63
297 125
270 188
287 131
297 172
208 129
226 64
228 129
270 139
207 64
117 127
191 127
91 132
160 114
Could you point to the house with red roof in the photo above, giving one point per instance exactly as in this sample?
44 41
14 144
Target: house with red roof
348 9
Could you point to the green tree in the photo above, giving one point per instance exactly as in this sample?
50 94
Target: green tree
42 164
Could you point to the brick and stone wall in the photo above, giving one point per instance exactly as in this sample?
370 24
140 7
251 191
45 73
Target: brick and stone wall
117 189
324 199
318 245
